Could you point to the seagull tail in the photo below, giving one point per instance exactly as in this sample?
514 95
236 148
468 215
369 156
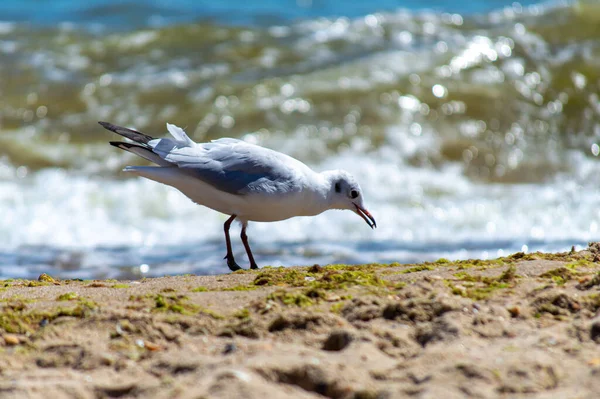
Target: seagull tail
180 136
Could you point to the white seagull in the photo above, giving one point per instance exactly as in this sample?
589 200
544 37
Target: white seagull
243 180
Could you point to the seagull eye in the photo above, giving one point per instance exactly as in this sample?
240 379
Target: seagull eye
353 193
338 187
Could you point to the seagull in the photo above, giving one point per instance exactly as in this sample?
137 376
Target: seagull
242 180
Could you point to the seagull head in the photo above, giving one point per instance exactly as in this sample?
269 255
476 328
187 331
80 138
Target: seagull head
345 193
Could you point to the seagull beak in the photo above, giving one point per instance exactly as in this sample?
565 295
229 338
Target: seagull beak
363 213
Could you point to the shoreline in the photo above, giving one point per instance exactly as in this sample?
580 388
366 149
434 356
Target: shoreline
525 325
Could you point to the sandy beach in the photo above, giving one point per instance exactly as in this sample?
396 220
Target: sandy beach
471 130
523 326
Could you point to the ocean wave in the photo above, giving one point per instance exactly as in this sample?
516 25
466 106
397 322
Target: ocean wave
504 94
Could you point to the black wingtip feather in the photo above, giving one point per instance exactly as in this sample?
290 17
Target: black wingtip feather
131 134
142 151
123 145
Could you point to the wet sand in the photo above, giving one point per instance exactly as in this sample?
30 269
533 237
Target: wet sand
524 326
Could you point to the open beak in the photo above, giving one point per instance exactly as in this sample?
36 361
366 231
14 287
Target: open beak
363 213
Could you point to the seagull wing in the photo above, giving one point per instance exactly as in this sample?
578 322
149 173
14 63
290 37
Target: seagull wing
232 166
228 164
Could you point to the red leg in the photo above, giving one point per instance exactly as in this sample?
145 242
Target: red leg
244 238
230 260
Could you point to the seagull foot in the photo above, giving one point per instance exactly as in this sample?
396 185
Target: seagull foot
253 266
231 263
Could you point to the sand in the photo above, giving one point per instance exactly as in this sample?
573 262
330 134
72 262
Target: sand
524 326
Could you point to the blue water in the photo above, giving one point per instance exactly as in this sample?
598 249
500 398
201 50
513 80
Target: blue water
135 13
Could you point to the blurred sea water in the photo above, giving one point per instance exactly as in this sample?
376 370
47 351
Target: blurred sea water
120 15
473 127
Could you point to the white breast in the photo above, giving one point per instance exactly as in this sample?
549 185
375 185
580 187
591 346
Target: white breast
258 207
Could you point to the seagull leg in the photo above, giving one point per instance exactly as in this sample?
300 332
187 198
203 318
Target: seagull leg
230 261
244 238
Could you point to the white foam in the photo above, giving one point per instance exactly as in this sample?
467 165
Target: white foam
412 205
